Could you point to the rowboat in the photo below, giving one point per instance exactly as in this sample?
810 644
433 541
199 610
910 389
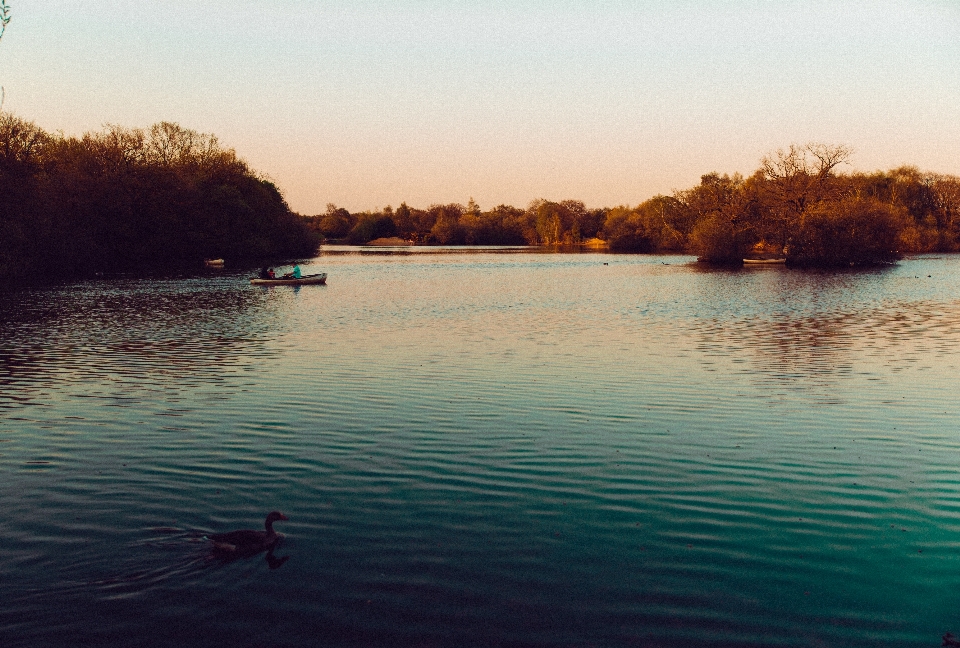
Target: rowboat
213 263
765 260
305 280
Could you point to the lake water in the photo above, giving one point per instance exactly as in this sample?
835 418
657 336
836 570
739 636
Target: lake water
486 449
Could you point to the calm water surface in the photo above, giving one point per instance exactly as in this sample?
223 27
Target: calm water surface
486 450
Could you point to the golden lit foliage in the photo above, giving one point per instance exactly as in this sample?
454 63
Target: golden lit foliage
777 211
22 143
127 199
851 231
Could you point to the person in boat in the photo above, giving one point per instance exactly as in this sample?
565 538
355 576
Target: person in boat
264 272
295 273
271 274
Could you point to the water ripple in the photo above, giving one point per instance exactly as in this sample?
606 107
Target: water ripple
486 449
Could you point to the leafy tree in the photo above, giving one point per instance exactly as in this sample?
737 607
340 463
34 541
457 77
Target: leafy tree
471 223
503 225
414 224
720 207
656 225
946 190
129 199
336 222
560 223
922 196
447 229
472 208
627 231
718 240
23 220
403 218
371 226
519 221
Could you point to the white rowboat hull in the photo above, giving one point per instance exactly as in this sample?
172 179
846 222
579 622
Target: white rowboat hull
305 280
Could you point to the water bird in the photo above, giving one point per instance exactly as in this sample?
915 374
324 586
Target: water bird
247 542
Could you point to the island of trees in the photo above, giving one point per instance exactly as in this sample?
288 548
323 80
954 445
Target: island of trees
128 199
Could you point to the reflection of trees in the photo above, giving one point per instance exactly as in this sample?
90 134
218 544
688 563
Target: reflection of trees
124 339
807 348
809 328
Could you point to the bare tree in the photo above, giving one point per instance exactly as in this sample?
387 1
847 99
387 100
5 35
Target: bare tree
799 178
801 175
4 21
4 16
946 188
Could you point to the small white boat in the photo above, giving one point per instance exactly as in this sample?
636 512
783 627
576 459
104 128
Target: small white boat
754 261
305 280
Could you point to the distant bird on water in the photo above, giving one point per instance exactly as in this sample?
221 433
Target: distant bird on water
247 542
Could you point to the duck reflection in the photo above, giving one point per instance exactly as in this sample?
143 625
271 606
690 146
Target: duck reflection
273 562
246 543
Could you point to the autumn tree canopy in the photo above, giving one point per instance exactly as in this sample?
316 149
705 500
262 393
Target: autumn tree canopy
123 199
133 199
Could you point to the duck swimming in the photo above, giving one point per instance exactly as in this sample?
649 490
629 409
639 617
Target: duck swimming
247 542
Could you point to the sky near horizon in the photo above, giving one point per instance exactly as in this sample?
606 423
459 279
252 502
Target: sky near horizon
366 104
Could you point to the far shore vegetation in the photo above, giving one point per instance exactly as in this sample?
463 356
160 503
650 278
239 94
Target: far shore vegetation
166 197
797 206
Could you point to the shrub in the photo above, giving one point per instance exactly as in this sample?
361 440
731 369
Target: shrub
854 231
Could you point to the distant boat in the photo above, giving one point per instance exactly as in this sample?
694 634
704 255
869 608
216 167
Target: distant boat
213 263
302 281
753 261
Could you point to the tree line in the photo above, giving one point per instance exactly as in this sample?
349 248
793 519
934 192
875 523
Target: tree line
128 199
542 223
797 205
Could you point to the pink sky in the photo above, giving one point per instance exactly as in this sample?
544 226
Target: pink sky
366 104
